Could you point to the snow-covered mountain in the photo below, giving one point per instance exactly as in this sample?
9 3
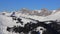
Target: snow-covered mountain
10 19
42 12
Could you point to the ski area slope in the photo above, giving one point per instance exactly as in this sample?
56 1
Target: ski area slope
6 20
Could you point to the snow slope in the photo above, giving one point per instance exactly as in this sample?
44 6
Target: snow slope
55 16
6 20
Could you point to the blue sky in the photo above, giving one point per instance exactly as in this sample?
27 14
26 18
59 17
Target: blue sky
30 4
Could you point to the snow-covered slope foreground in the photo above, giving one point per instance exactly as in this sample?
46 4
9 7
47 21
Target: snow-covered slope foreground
55 16
21 23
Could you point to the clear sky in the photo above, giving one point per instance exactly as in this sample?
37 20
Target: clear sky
30 4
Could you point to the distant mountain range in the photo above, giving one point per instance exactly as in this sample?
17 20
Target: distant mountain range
42 12
25 17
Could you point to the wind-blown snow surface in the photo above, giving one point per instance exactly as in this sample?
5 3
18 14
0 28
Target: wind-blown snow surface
6 20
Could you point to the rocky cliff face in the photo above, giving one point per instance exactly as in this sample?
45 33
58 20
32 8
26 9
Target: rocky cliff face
42 12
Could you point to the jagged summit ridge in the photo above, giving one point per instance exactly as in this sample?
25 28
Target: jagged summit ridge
42 12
